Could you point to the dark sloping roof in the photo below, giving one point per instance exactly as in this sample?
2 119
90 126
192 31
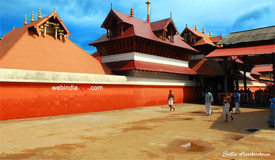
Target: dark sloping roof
97 56
142 29
254 35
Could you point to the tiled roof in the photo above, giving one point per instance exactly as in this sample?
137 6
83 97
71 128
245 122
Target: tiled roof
142 29
238 51
254 35
22 48
215 39
149 66
162 24
8 40
208 68
205 39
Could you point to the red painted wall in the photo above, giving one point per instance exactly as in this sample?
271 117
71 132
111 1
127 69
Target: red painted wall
28 100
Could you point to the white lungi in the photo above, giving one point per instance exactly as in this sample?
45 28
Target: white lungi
226 107
237 105
171 101
208 108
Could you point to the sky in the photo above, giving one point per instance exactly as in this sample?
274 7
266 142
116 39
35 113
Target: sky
83 18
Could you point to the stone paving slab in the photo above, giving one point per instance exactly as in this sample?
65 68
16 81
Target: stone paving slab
140 133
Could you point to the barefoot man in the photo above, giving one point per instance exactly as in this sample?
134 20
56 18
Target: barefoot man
171 100
226 106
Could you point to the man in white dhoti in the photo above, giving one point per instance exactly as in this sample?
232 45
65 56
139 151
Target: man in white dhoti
208 101
171 100
226 106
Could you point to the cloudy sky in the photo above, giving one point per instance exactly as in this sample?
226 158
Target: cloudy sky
83 18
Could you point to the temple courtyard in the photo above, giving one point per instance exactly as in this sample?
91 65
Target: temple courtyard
140 134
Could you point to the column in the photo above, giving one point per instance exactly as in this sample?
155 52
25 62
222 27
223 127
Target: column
244 72
225 74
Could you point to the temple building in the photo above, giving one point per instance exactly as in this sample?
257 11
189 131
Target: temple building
132 46
210 71
251 52
43 73
200 41
44 45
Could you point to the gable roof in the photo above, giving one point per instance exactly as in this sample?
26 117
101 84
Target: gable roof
205 39
142 29
8 40
159 25
254 35
162 24
22 48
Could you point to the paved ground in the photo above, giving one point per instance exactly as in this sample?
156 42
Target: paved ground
141 133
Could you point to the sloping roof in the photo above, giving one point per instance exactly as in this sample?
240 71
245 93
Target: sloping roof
238 51
254 35
24 49
97 56
215 39
148 66
162 24
255 72
8 40
263 69
208 68
142 29
205 39
159 25
199 34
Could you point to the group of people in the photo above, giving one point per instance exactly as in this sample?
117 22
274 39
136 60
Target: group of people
227 105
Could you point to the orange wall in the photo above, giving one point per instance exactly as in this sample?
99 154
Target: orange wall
28 100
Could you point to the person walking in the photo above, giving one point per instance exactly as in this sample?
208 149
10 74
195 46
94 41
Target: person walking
226 106
271 118
171 100
208 101
237 100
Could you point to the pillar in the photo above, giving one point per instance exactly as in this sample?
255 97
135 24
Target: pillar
225 74
273 72
244 72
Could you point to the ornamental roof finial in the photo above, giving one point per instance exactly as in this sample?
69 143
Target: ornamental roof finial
39 14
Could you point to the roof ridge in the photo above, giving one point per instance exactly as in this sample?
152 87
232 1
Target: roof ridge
129 15
161 20
253 29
